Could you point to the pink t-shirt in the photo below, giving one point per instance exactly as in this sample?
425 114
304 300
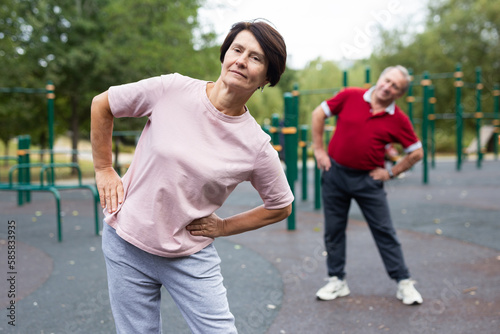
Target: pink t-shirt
189 158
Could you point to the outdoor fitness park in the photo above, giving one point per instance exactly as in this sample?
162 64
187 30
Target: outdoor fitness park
448 225
287 136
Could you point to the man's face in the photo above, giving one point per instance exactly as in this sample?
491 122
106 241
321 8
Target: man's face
390 86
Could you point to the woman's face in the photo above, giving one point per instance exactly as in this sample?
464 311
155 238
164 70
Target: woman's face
245 65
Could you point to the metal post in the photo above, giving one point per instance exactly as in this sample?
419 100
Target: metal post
458 113
426 82
496 115
50 109
24 173
367 77
410 98
478 115
291 119
344 79
303 145
291 146
432 123
275 133
291 156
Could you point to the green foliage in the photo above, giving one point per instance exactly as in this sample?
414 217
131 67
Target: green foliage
465 32
85 46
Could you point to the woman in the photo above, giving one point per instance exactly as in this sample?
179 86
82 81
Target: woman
200 142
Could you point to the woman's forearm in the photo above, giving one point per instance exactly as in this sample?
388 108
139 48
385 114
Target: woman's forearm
213 226
254 219
101 131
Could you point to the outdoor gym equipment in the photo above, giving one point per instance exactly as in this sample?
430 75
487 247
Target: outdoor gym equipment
46 183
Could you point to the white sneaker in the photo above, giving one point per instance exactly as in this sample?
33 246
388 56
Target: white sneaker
335 288
407 293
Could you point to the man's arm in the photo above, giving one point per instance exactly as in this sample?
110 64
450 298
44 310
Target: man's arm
406 163
318 129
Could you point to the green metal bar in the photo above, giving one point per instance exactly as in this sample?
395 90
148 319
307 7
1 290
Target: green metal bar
291 156
410 99
425 121
291 119
275 126
317 186
478 117
303 144
50 110
57 197
496 121
51 166
367 76
344 79
24 174
432 124
331 91
458 112
22 90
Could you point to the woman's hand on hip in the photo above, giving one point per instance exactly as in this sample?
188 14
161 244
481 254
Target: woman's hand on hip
211 226
110 187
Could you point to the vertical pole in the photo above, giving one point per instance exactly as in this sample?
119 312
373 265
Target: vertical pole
426 82
24 173
478 115
432 123
458 113
496 116
410 98
317 186
291 157
367 77
291 147
275 131
303 145
50 109
344 79
292 120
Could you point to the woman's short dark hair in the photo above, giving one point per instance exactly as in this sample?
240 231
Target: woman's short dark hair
271 42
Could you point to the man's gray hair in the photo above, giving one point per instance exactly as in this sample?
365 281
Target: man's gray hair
401 69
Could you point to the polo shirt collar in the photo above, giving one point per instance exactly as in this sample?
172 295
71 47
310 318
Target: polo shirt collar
367 96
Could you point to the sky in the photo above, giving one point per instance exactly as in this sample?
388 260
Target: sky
335 30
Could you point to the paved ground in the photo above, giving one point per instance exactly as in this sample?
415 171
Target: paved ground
449 229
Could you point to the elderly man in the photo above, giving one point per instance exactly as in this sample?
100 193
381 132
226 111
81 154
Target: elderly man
353 168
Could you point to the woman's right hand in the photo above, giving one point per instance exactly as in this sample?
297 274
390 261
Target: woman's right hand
110 187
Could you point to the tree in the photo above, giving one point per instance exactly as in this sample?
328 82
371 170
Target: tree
85 46
456 31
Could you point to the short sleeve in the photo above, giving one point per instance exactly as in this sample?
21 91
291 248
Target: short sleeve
406 135
269 179
334 105
136 99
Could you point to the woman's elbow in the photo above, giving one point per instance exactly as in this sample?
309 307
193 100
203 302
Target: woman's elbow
286 211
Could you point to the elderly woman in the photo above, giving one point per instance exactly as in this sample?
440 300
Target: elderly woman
199 143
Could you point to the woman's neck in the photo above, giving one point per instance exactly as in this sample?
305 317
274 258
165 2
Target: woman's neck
228 102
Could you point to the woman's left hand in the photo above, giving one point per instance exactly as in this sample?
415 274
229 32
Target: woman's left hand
211 226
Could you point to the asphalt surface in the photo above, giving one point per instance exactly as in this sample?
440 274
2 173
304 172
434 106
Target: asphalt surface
449 229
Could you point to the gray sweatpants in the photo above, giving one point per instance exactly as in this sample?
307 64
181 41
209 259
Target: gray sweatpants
194 282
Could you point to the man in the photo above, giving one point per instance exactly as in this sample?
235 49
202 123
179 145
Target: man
353 168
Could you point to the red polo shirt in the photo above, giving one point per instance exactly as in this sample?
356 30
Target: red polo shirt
360 137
